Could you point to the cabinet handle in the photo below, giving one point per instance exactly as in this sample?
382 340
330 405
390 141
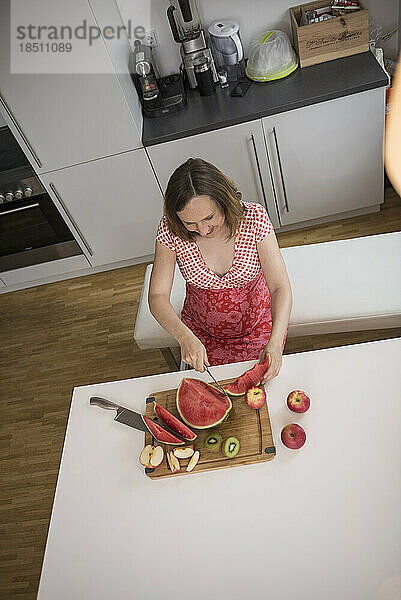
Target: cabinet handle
258 166
281 169
18 128
53 188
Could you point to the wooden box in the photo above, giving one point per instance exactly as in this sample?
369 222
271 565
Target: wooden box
331 39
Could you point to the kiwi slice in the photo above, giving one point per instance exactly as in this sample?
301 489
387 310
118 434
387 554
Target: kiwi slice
231 447
213 441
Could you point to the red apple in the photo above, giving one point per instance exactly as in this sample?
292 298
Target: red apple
298 401
293 436
255 397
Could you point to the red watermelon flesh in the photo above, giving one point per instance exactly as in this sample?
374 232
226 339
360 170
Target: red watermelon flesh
160 434
201 405
249 379
175 424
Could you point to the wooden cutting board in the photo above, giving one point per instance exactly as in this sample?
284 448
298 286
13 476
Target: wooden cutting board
251 427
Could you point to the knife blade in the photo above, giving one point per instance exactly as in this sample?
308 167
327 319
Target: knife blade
216 382
124 415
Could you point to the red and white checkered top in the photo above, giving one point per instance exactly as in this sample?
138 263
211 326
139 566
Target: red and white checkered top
254 226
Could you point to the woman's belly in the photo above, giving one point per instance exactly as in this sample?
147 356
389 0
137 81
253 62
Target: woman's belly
227 313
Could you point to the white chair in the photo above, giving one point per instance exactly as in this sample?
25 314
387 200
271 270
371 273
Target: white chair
345 285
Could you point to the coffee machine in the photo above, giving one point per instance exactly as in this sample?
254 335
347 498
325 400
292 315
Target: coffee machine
187 30
158 95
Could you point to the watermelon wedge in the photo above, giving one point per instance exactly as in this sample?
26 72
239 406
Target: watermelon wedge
249 379
201 405
173 423
160 434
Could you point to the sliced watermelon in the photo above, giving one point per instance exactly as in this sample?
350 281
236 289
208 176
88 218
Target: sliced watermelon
173 423
249 379
161 434
201 405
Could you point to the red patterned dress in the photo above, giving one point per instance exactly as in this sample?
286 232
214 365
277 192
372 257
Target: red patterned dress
231 315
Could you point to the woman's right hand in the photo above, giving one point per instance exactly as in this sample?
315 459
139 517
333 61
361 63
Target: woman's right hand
193 352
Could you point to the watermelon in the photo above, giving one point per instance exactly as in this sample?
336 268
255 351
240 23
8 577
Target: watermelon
173 423
201 405
160 434
249 379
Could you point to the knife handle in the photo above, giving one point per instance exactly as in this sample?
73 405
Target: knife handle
103 403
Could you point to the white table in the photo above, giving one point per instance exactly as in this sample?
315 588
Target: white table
321 522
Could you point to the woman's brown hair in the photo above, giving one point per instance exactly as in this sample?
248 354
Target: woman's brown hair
197 177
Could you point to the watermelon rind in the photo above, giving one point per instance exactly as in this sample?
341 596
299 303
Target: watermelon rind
237 388
210 425
171 421
153 428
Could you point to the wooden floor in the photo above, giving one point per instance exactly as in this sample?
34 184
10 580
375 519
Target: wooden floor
79 332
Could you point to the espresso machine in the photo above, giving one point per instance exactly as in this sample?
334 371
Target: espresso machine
158 95
187 30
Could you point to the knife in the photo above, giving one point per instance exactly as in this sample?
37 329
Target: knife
216 382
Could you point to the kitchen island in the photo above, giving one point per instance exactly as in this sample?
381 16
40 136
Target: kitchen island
321 522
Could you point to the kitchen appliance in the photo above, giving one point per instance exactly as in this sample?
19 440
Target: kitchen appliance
32 230
227 48
158 95
203 75
271 57
187 30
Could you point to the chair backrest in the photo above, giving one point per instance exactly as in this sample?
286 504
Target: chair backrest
148 333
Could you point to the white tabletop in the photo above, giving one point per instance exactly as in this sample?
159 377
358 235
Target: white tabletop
320 522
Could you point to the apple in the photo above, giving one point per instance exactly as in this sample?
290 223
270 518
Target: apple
255 397
298 401
293 436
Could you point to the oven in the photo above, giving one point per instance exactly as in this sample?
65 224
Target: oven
32 231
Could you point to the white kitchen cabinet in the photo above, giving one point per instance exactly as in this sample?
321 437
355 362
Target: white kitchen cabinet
238 151
77 113
2 284
43 271
113 205
327 158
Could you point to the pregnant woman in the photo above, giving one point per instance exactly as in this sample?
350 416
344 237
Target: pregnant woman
238 296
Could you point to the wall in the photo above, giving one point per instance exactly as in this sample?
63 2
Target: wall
2 121
253 16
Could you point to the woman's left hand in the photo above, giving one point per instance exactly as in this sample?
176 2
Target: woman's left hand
276 361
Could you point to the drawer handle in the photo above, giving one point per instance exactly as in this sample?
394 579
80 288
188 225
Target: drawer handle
18 128
53 188
14 210
258 166
281 169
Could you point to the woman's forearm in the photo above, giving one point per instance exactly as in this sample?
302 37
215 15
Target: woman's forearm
281 304
165 315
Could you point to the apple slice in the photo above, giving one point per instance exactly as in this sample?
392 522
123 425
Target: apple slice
145 456
193 462
157 456
184 452
173 462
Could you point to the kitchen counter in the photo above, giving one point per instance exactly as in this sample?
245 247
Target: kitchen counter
321 522
304 87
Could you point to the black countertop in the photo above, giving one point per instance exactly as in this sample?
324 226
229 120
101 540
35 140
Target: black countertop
303 87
